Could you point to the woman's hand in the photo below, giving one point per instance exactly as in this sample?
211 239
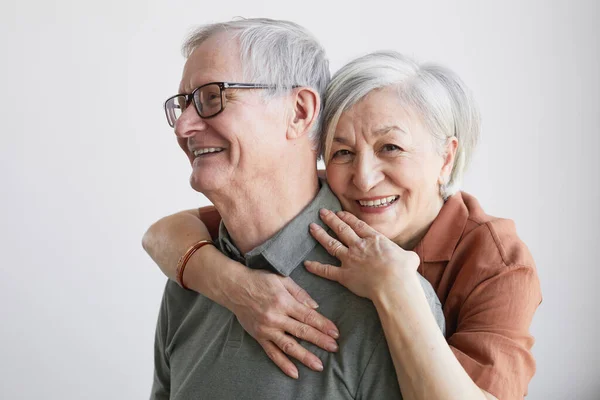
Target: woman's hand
370 261
272 309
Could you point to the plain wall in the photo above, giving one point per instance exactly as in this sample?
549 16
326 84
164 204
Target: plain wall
87 163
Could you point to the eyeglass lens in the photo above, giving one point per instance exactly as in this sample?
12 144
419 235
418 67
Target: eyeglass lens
207 100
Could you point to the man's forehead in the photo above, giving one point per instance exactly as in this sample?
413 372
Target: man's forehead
217 59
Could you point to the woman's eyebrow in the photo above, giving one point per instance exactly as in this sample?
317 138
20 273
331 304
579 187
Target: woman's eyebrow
341 140
387 129
377 132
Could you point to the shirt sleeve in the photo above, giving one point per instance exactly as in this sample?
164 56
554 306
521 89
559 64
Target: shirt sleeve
211 218
161 386
492 340
434 303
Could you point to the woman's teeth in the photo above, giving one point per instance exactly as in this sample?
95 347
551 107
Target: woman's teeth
379 202
199 152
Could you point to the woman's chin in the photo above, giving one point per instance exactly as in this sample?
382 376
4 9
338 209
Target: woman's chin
388 227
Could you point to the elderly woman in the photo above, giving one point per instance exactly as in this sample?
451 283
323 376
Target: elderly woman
397 139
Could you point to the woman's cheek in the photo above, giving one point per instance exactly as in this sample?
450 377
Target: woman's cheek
336 178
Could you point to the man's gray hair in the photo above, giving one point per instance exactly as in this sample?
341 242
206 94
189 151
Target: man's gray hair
434 93
275 52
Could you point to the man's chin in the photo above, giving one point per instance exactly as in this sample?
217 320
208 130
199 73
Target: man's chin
206 184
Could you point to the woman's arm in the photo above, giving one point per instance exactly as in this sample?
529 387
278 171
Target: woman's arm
267 305
165 245
376 268
425 364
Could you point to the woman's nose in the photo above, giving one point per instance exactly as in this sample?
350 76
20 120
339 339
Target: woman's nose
367 173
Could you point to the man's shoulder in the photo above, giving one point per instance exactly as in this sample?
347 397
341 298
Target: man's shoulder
179 303
353 314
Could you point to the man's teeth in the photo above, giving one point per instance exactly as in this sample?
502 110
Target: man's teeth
379 202
199 152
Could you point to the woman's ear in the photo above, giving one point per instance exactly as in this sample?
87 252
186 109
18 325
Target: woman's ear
307 105
449 156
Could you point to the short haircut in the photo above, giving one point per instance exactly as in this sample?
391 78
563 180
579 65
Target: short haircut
275 52
433 92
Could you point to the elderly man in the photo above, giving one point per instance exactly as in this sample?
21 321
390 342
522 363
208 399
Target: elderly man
248 117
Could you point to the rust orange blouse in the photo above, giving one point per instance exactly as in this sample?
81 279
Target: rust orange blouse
486 280
487 283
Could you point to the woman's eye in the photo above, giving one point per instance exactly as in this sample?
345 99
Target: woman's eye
391 147
341 154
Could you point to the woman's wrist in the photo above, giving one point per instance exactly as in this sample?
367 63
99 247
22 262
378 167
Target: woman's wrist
401 288
183 260
214 275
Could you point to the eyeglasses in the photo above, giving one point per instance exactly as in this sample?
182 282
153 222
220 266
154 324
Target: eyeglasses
208 99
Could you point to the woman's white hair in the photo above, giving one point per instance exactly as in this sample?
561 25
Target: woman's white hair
275 52
434 93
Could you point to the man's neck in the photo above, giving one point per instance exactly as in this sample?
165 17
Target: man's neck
254 215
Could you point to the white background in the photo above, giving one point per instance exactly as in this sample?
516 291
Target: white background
87 162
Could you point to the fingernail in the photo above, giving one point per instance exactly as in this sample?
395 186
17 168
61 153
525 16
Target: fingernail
314 226
340 213
334 334
317 366
293 373
324 211
311 303
332 347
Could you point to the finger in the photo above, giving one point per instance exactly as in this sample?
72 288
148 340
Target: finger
299 293
333 246
280 359
361 228
289 346
342 230
306 332
312 318
324 270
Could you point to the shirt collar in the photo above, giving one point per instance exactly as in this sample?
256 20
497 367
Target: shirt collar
443 236
287 248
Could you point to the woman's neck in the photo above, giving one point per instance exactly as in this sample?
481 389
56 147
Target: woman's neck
411 239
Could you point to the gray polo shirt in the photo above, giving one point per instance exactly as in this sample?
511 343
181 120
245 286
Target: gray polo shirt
202 351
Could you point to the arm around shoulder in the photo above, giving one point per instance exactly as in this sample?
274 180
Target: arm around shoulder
168 238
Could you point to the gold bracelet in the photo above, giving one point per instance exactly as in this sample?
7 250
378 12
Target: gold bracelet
185 258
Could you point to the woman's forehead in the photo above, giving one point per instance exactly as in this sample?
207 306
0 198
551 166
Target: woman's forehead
376 118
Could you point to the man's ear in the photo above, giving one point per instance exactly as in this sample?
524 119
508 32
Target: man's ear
306 108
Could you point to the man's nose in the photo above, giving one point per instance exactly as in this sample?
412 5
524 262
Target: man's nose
189 123
367 173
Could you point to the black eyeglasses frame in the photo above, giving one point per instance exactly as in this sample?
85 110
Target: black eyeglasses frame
191 98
